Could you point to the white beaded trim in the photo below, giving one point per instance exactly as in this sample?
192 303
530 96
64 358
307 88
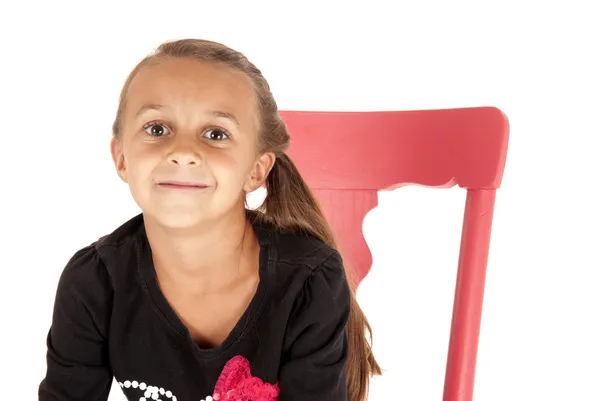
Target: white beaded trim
153 392
150 392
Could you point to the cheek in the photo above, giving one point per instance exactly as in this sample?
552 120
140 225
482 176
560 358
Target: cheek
141 162
230 169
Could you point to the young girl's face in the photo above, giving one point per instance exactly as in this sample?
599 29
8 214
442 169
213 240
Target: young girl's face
193 122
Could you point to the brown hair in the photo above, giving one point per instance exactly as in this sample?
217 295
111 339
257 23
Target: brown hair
289 203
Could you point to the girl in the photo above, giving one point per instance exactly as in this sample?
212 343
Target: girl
198 297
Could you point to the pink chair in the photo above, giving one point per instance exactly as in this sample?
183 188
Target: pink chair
346 157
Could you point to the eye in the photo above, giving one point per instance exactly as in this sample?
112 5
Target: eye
155 129
216 134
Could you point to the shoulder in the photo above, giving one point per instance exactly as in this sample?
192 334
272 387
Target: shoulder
317 260
123 234
318 291
306 267
84 280
300 249
88 271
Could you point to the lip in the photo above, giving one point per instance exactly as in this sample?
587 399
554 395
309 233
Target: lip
182 185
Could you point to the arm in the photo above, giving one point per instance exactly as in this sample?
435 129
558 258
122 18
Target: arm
77 357
316 345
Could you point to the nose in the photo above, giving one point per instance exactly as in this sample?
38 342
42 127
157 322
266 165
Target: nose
185 156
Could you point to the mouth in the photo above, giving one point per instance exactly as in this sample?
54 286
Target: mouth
184 185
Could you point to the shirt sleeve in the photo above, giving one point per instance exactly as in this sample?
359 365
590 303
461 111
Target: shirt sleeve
77 355
316 344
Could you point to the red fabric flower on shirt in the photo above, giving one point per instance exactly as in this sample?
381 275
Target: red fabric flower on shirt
236 383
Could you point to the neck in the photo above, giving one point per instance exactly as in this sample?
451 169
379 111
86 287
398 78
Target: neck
203 259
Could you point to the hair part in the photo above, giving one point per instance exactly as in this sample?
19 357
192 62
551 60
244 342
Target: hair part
289 204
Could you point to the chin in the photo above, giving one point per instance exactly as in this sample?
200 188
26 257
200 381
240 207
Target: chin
177 218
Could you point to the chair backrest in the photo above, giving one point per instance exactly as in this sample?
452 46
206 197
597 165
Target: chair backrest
347 157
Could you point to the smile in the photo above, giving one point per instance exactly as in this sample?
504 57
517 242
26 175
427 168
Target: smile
181 185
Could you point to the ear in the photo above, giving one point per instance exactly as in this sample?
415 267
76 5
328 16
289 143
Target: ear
116 150
260 172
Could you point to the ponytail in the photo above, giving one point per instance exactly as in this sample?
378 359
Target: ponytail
291 205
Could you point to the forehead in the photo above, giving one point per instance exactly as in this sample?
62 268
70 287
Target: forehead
192 84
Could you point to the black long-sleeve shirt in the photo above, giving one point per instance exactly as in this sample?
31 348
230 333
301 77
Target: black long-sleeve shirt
111 320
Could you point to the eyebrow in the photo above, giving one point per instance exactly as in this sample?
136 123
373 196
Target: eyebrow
224 114
215 113
146 107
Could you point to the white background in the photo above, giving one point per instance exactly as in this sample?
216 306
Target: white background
61 69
